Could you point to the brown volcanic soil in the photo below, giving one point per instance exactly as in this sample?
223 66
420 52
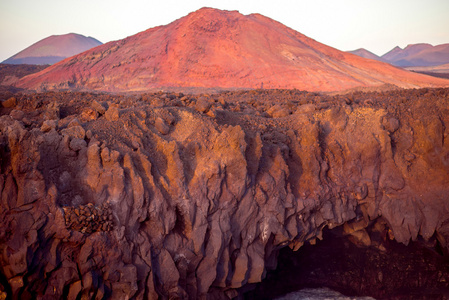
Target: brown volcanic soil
180 196
214 48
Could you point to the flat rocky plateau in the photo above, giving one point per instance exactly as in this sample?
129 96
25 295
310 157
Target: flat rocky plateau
120 196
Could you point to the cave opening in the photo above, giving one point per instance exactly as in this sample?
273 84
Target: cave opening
384 269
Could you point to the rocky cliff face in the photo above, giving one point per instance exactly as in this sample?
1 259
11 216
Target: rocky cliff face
215 48
193 196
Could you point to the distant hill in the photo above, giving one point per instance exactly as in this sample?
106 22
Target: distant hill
53 49
418 55
366 54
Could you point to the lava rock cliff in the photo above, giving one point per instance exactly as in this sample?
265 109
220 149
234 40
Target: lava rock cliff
172 195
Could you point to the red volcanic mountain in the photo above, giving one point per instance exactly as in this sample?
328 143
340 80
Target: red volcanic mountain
215 48
53 49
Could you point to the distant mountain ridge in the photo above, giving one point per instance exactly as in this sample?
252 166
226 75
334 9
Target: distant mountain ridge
53 49
398 54
418 55
414 55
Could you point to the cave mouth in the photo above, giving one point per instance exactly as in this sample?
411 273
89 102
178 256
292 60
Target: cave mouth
385 269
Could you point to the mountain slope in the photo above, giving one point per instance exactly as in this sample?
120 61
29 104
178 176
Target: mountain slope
214 48
53 49
418 55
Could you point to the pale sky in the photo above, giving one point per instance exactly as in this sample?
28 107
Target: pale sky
377 25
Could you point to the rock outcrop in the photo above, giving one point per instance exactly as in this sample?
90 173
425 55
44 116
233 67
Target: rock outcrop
180 196
211 48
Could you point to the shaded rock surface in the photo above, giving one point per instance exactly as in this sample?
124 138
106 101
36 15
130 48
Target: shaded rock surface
203 208
384 270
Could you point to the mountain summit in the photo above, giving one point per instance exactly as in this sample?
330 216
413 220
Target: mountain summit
53 49
216 48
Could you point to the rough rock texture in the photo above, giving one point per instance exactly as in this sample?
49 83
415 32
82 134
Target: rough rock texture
202 209
225 49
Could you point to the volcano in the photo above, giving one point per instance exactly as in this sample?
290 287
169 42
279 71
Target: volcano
53 49
215 48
